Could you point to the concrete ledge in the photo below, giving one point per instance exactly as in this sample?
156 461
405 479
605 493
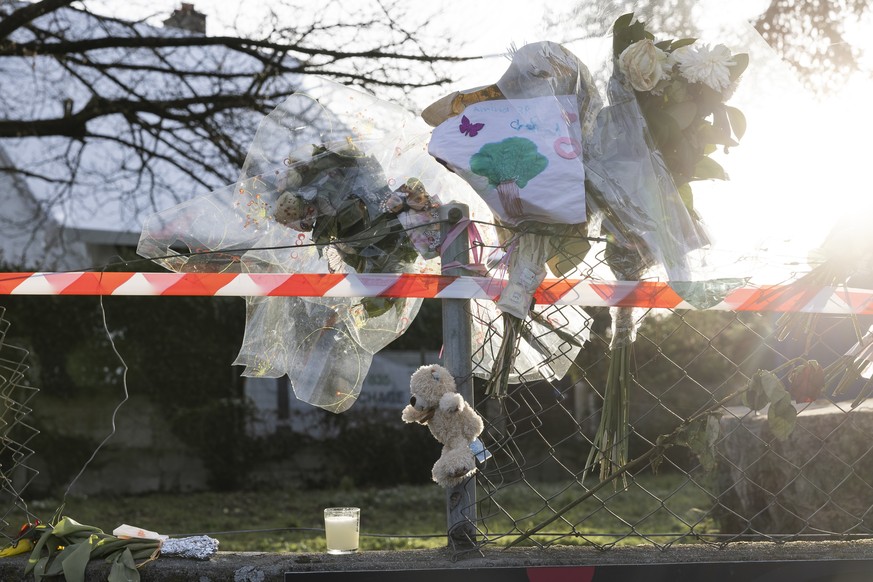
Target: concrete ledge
269 567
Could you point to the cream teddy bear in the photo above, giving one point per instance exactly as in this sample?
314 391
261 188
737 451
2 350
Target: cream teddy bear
436 403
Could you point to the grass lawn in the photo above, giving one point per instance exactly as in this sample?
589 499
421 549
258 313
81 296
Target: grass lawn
291 520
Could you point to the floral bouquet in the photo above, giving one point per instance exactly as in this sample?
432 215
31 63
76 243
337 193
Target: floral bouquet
334 182
666 115
341 196
520 144
681 87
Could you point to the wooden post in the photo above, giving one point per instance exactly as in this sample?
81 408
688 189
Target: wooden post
457 354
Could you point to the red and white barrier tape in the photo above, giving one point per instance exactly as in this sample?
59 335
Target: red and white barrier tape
587 292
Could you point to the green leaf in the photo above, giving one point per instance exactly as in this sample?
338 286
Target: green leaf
677 91
721 124
38 568
684 113
664 130
773 387
625 33
47 541
738 121
701 436
376 306
143 553
623 21
55 565
76 561
741 61
755 396
686 195
782 417
123 568
68 526
682 42
766 387
709 169
711 135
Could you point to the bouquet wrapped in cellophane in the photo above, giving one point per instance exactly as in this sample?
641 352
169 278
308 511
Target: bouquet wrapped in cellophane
519 143
336 181
666 114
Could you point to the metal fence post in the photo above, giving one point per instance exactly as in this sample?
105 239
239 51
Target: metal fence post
457 350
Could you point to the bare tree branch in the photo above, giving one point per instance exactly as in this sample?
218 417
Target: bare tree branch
27 13
122 112
75 125
241 44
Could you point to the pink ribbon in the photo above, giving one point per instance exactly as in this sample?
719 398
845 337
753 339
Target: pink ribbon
476 244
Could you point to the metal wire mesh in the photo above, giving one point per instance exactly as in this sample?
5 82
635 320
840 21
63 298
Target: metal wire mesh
15 431
540 486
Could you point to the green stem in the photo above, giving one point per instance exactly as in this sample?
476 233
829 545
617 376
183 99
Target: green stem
610 446
863 394
501 369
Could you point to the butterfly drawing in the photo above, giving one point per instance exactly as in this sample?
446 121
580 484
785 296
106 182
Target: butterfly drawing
470 129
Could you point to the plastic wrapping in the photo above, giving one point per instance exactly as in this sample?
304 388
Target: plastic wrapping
338 181
192 548
335 181
625 322
666 114
630 188
634 159
651 141
550 340
519 143
623 186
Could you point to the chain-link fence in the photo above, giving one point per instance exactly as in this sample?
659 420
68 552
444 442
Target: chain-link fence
721 431
704 426
15 430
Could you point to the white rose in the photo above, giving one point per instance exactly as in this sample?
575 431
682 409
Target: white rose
643 64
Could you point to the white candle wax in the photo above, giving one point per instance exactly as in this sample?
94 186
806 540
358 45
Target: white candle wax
341 533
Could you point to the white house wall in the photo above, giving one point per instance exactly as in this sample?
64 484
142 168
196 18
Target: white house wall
29 238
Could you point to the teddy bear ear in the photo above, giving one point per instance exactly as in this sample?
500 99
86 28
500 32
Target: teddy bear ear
435 372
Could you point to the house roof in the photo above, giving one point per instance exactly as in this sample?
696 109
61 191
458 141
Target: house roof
100 183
